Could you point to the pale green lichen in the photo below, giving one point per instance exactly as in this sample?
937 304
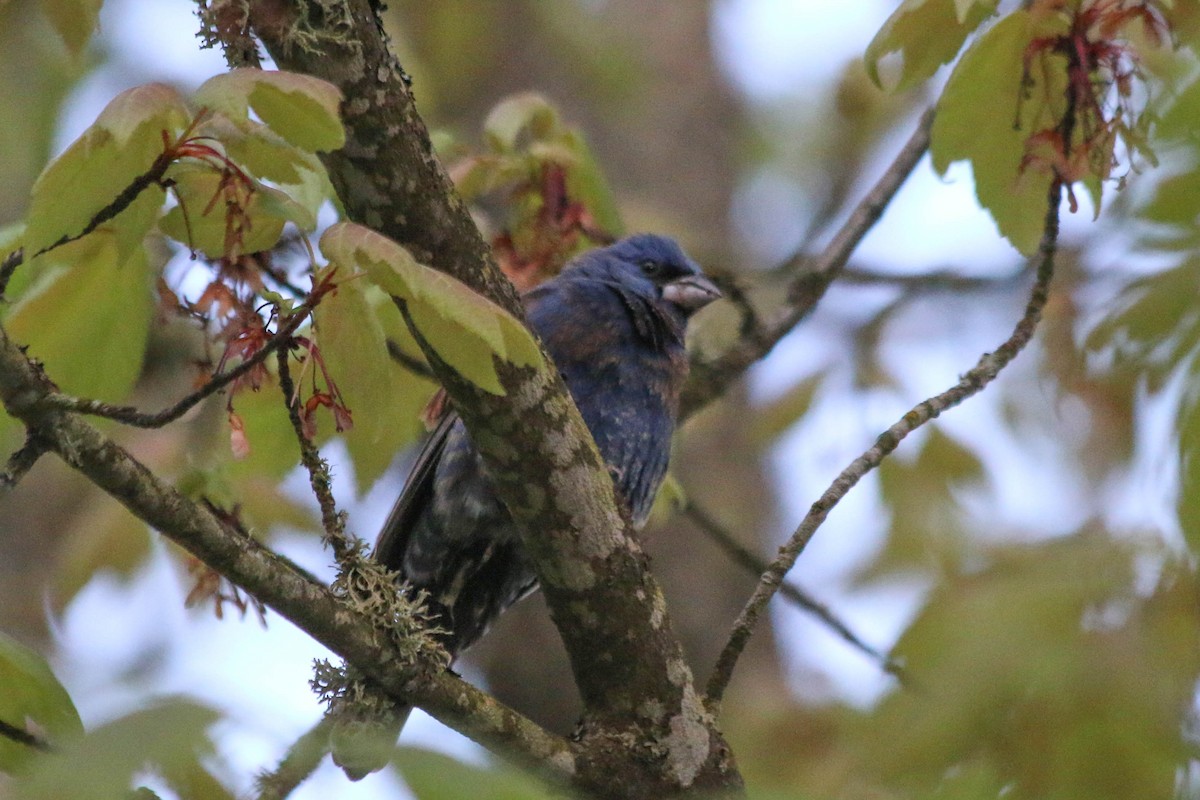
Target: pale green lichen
689 741
402 618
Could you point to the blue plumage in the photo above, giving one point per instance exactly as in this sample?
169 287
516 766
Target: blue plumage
614 323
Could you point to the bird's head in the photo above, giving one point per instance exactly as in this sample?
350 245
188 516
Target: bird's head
656 268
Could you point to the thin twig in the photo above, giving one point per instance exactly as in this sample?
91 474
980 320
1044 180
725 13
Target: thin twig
318 470
757 566
942 280
300 761
130 415
22 460
711 378
151 177
411 363
218 26
8 266
23 737
987 368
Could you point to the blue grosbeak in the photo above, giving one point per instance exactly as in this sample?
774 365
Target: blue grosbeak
614 322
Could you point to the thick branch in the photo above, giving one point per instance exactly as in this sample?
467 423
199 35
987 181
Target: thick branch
312 607
627 662
710 379
979 376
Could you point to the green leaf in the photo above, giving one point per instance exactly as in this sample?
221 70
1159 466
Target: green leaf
1178 121
1053 673
467 331
74 20
273 447
436 776
1188 431
33 701
264 154
975 122
775 417
119 147
300 108
1176 201
168 740
89 318
925 34
928 527
354 348
587 183
1154 325
527 112
256 148
668 501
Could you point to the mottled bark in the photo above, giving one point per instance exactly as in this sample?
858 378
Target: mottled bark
646 733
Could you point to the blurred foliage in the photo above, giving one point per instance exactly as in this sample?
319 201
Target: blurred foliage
1058 661
436 776
168 742
555 199
34 703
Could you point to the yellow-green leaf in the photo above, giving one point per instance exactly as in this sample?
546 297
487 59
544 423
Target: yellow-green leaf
75 20
775 417
924 34
1052 672
586 183
517 114
273 446
119 147
436 776
168 740
668 501
928 527
1187 427
33 701
986 93
466 330
300 108
89 318
354 349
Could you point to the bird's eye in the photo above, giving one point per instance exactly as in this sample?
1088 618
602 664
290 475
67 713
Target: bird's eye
651 268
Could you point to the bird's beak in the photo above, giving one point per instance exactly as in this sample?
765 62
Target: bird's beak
691 293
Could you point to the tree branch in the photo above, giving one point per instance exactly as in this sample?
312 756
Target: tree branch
8 266
627 662
333 523
987 368
21 461
271 579
757 566
710 379
129 415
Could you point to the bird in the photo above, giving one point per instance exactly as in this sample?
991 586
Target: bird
613 321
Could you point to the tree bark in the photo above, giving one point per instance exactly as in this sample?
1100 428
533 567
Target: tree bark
646 732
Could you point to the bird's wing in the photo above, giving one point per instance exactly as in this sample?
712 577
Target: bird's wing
394 537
